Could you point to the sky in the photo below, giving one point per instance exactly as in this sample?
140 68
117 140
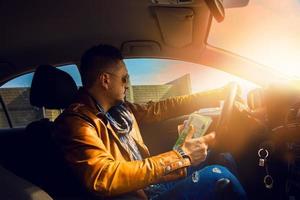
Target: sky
266 31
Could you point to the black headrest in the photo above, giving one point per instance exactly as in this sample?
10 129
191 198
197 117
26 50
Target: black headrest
52 88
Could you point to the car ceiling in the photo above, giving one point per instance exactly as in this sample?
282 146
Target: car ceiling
56 32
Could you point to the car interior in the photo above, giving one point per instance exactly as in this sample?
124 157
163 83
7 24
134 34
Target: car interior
41 36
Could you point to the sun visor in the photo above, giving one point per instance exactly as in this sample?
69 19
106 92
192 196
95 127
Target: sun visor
176 25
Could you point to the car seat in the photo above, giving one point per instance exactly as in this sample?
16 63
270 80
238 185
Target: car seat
13 187
51 89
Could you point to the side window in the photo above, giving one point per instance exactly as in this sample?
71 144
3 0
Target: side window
158 79
15 95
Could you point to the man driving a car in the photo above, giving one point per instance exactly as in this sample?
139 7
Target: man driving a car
100 137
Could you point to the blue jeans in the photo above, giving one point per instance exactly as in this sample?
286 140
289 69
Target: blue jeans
205 182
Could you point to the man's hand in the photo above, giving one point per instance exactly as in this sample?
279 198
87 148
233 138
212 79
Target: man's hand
226 89
196 148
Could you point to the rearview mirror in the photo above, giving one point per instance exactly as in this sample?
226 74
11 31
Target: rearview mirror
235 3
216 8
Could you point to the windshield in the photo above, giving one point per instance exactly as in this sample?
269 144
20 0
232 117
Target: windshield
265 31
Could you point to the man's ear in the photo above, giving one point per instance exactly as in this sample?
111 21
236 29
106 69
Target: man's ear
104 80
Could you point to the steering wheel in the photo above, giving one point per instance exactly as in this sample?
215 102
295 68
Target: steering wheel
225 115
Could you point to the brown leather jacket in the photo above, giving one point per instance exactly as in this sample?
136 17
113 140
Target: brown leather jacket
94 152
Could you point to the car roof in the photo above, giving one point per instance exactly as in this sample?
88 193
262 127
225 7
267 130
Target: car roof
57 32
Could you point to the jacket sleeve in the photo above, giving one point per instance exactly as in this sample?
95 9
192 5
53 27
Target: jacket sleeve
176 106
97 169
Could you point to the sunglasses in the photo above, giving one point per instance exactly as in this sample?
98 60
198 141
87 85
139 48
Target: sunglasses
125 79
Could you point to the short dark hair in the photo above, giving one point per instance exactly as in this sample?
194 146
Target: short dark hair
96 60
